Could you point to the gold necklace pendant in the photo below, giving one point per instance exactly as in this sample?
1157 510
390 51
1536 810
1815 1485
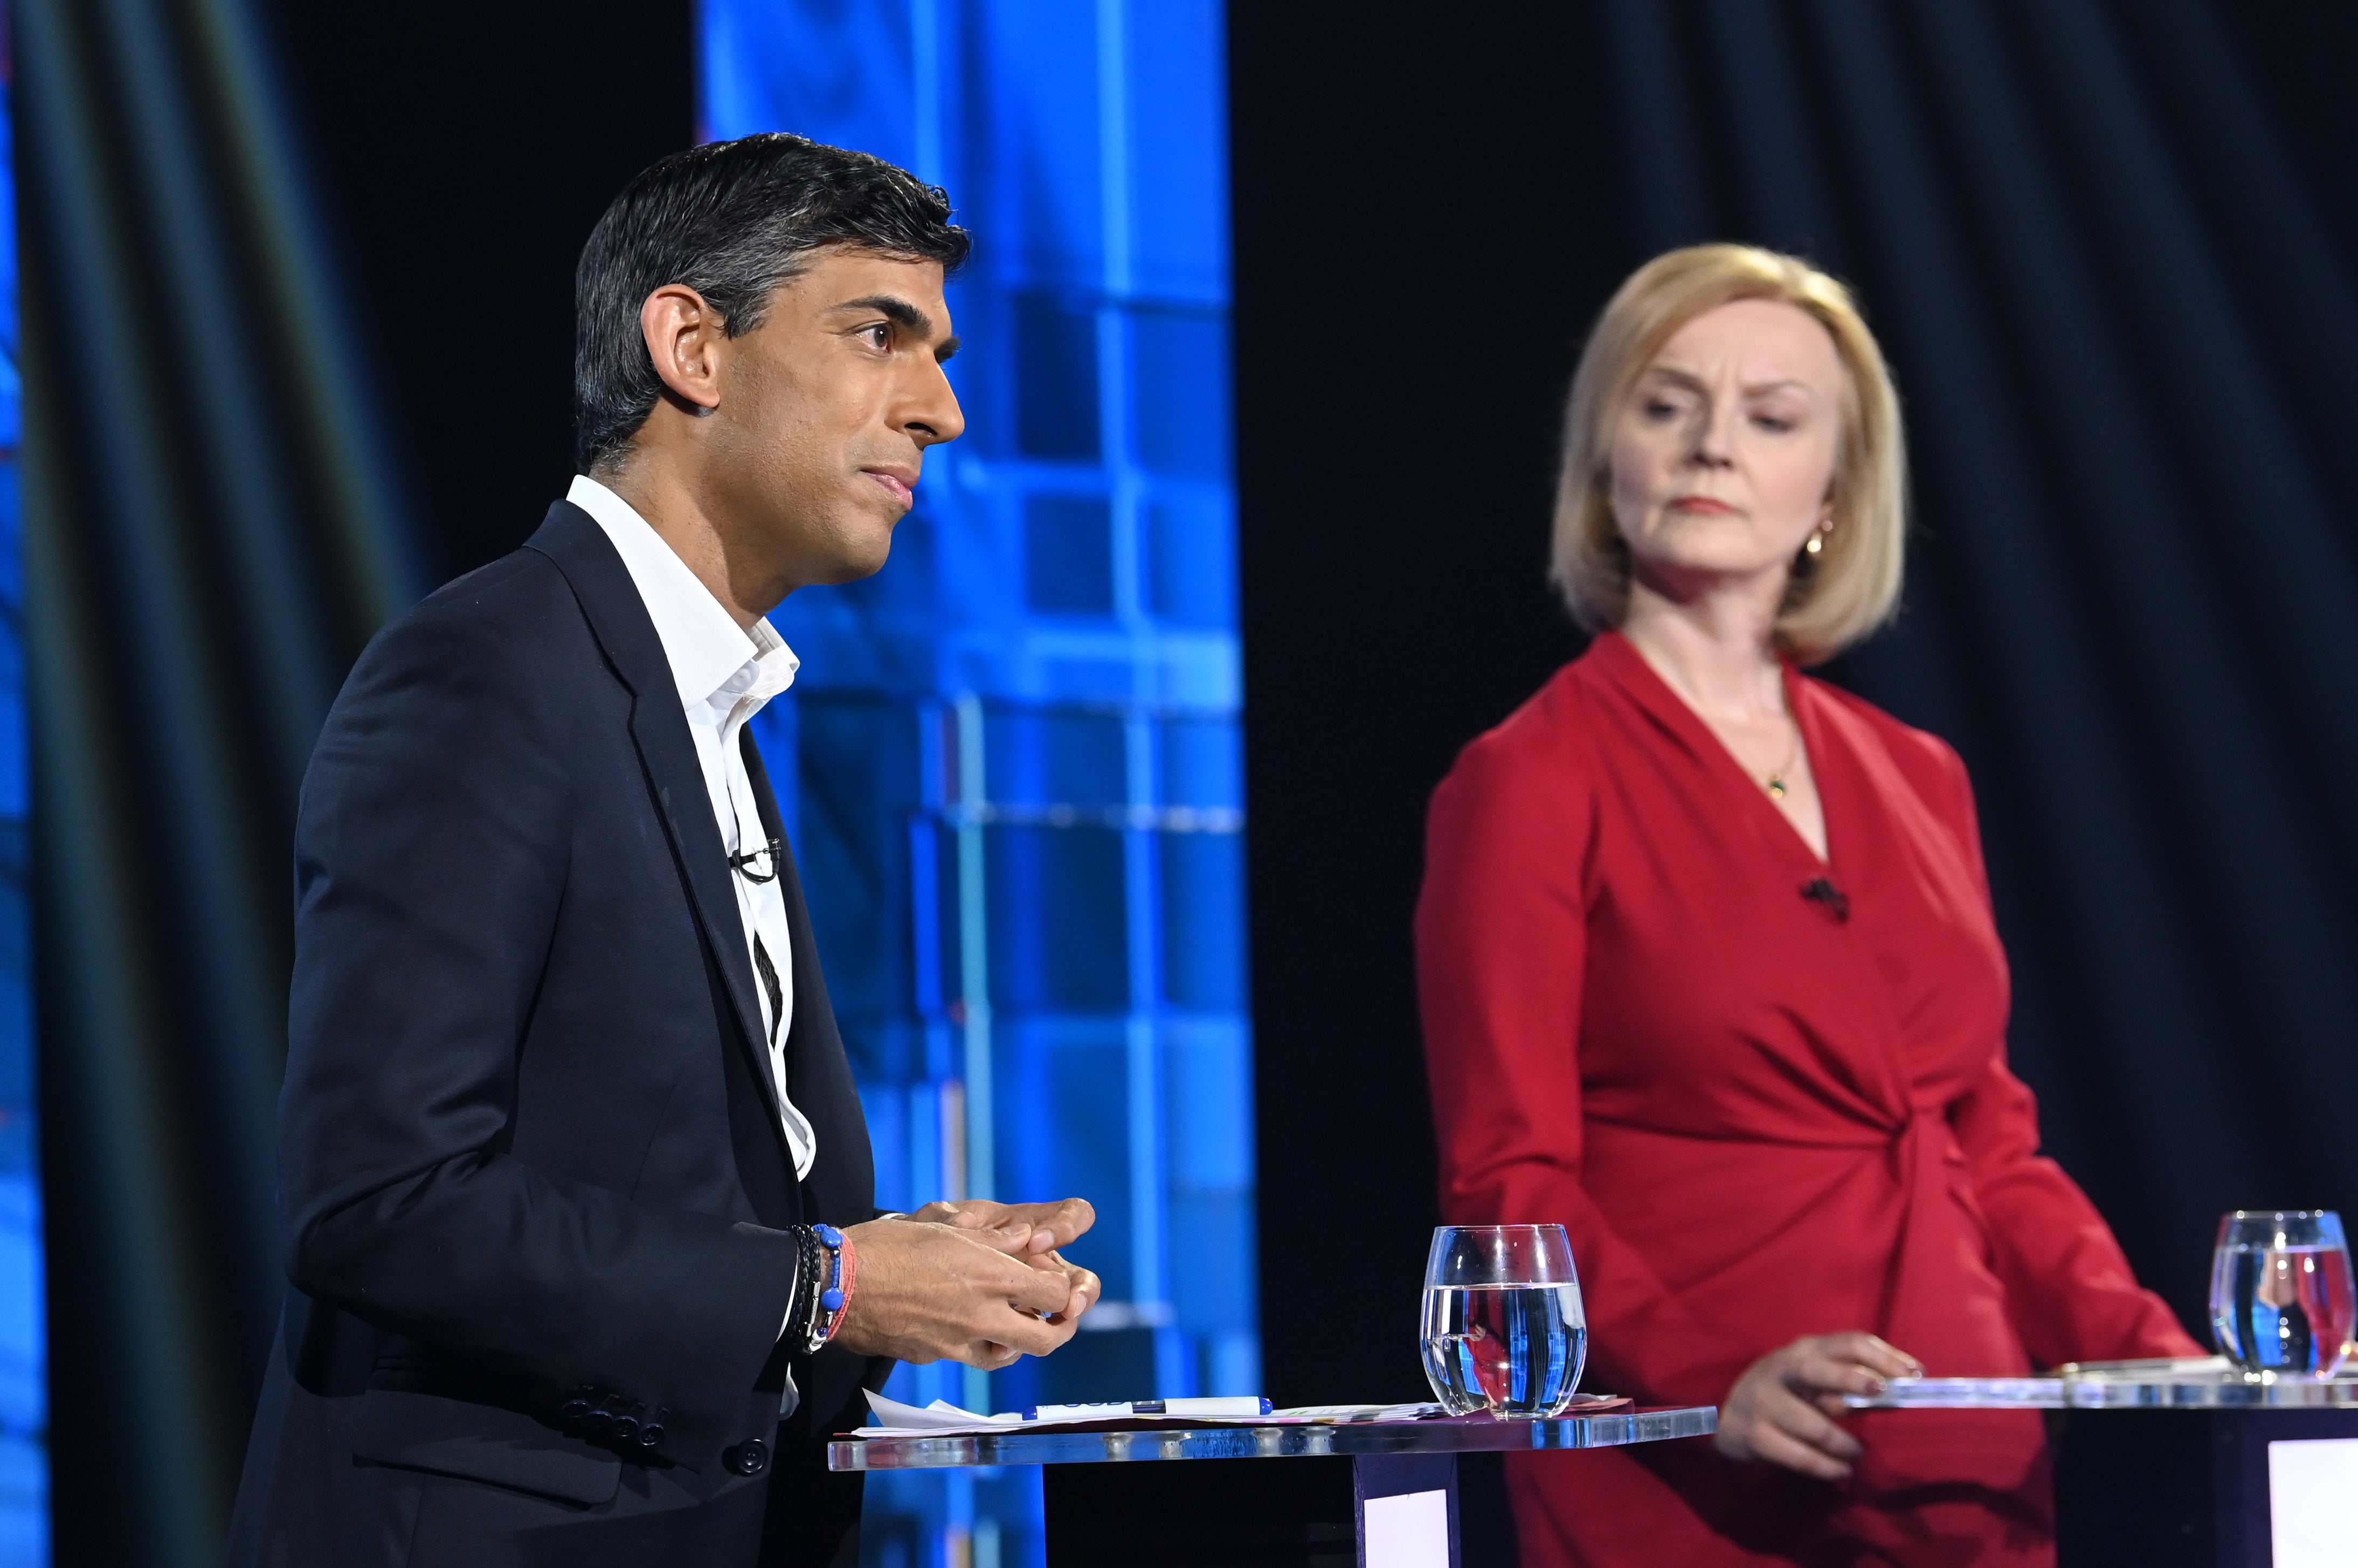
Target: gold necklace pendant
1776 786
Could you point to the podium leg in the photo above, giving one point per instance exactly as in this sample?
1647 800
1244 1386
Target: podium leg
1406 1507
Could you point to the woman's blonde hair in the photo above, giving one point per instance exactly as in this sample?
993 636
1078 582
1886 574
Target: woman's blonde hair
1848 589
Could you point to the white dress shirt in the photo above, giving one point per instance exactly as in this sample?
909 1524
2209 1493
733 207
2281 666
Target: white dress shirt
725 677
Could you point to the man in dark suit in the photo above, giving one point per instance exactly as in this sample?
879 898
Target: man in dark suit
567 1122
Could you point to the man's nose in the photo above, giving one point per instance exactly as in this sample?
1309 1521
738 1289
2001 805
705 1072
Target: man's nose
936 417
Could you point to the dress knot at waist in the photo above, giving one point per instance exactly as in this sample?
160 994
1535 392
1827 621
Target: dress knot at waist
1928 1155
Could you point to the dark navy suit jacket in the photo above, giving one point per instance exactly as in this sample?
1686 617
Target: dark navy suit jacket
530 1163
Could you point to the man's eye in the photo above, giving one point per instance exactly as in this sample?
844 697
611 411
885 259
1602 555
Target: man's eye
879 336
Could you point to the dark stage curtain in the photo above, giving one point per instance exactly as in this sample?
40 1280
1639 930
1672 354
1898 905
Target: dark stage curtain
2129 342
210 535
2109 247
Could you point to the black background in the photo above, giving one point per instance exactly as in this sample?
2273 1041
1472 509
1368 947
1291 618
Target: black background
461 154
1422 230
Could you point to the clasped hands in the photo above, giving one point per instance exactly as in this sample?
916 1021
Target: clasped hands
973 1281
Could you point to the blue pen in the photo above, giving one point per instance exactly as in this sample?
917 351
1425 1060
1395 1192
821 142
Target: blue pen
1218 1409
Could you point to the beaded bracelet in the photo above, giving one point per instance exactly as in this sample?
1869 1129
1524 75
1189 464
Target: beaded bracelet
826 1304
849 1258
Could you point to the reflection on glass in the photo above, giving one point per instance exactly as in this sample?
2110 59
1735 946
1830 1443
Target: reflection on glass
2281 1297
1504 1330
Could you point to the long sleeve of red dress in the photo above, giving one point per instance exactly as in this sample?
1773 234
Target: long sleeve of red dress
1767 1095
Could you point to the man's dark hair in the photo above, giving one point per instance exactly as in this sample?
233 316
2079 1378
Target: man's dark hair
732 220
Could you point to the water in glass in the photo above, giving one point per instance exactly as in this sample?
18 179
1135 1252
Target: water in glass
2281 1296
1503 1329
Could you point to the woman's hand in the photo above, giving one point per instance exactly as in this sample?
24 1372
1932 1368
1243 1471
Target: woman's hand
1782 1410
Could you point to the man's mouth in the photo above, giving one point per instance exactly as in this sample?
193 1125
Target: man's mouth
901 483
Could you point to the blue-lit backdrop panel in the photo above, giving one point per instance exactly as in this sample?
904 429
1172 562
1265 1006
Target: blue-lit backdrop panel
24 1400
1011 760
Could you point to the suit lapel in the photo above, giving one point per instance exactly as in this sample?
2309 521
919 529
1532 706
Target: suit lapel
618 618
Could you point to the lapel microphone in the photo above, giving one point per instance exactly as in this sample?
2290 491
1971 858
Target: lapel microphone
1819 890
743 863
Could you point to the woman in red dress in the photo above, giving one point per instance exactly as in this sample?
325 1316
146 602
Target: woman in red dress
1708 975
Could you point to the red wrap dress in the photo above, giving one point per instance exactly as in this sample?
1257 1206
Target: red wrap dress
1760 1114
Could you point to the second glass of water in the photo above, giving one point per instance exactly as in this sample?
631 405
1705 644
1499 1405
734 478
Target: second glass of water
2280 1290
1504 1330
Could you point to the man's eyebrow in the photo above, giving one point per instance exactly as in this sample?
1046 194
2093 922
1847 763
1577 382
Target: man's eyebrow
903 314
895 309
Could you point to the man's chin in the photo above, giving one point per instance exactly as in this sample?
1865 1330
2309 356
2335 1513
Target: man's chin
862 554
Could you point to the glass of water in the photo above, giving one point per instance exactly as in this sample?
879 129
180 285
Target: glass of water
2280 1290
1504 1331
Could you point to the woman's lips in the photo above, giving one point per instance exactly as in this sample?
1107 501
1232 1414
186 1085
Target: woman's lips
1703 503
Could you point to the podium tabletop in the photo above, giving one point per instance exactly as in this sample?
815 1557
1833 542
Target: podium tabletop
1459 1434
2211 1384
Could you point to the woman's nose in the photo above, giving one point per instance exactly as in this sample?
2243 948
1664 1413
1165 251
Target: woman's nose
1711 446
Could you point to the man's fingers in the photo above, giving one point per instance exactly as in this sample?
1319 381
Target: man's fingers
976 1280
1015 1228
1066 1222
1013 1237
1033 1336
961 1215
1039 1289
1056 1224
1004 1225
1087 1289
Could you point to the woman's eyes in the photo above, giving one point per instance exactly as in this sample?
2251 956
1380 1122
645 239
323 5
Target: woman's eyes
1659 410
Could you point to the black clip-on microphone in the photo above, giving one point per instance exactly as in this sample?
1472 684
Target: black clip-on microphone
1819 890
745 862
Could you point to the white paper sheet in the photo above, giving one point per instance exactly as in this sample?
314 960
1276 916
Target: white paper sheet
894 1419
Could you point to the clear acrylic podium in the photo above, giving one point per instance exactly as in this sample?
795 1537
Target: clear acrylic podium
1106 1505
2165 1464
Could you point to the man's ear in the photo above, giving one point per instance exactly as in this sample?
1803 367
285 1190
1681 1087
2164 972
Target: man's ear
684 335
